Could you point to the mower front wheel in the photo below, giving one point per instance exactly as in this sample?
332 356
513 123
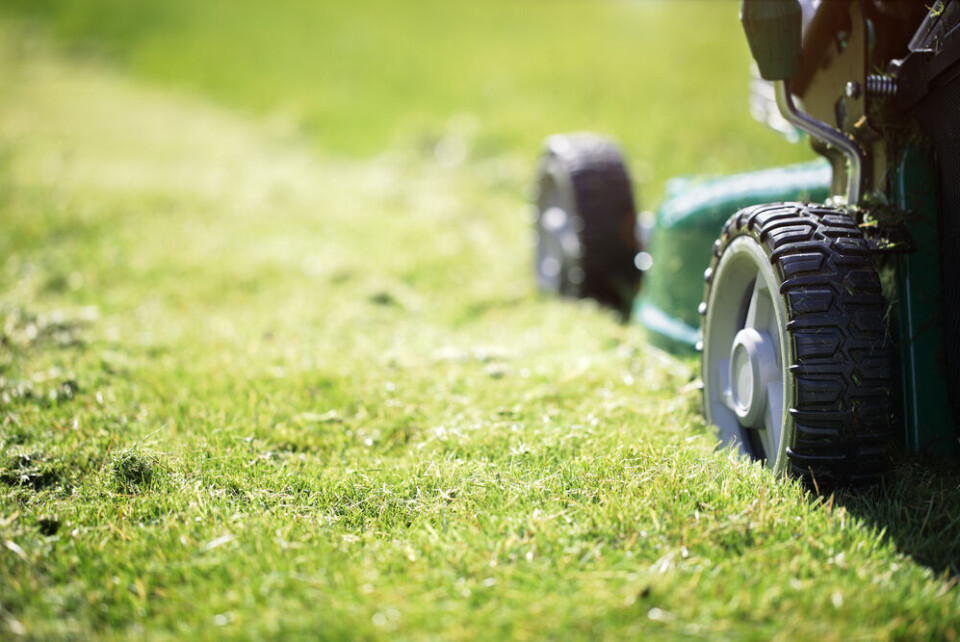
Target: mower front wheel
796 365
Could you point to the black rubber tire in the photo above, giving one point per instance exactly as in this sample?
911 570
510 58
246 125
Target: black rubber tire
838 410
589 251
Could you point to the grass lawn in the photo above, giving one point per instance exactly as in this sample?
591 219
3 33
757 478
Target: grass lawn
272 363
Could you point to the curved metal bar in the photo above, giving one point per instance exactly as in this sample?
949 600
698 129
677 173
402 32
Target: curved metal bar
833 137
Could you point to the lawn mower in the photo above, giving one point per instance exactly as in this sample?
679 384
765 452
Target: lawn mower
824 298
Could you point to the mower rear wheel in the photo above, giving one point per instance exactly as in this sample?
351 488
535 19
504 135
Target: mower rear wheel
586 222
796 366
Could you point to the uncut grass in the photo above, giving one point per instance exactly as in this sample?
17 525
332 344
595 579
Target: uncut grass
252 391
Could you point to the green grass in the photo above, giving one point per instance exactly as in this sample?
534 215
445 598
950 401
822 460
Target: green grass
257 383
666 78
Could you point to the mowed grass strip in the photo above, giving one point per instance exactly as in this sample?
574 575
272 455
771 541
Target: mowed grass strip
249 390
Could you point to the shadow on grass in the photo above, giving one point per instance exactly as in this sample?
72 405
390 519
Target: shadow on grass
918 507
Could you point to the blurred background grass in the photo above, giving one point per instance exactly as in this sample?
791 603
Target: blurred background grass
667 78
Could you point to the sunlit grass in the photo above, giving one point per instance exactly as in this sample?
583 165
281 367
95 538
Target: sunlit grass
252 388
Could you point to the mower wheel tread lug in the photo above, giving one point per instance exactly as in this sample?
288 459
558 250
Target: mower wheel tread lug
801 282
810 300
837 222
812 433
764 217
789 234
813 345
814 367
851 245
811 391
795 265
798 247
802 461
861 280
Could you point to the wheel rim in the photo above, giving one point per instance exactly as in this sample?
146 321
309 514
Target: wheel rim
558 246
745 378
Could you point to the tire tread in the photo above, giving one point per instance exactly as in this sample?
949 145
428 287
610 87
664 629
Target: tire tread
842 360
602 197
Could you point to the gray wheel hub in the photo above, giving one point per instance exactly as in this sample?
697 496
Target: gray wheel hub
753 361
